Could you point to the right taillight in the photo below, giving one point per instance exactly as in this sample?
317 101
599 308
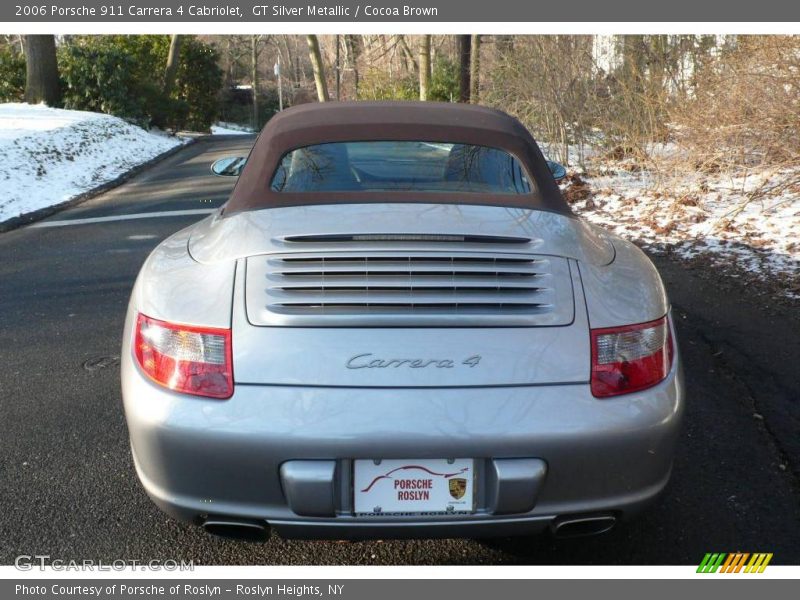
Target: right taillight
630 358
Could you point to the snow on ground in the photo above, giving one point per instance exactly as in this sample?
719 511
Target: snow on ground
749 226
230 129
52 155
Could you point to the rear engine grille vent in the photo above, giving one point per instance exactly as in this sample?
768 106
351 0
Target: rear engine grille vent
406 289
407 237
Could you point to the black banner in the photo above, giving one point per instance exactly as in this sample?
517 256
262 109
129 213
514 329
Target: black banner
349 11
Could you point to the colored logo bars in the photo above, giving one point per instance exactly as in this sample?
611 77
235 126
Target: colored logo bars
735 562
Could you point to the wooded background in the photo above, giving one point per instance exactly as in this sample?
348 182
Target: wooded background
715 103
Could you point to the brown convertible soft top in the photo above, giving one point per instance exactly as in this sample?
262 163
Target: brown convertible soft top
310 124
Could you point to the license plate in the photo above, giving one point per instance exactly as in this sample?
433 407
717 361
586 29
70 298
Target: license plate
413 486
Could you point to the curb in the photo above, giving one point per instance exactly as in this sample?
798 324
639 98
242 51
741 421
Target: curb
42 213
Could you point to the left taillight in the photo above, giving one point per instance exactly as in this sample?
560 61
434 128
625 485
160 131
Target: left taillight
630 358
187 359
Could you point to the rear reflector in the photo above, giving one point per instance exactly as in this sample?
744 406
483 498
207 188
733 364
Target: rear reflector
630 358
191 360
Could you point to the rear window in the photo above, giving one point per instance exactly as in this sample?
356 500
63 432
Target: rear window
400 166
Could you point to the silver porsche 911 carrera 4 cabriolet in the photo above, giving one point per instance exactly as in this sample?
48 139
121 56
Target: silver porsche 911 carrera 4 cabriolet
395 327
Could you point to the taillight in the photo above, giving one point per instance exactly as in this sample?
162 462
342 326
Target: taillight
191 360
630 358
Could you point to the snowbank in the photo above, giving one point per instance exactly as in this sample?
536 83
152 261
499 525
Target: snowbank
718 219
51 155
230 129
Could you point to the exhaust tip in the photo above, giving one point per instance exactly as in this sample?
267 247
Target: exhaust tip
581 526
235 529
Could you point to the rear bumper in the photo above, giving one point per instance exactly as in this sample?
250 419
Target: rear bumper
198 457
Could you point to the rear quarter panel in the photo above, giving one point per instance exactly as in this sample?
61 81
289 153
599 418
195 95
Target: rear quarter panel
629 290
171 286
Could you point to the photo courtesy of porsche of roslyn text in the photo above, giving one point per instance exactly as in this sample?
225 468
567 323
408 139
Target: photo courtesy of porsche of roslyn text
400 299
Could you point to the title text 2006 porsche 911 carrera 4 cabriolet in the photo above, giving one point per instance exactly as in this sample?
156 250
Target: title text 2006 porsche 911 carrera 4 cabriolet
396 327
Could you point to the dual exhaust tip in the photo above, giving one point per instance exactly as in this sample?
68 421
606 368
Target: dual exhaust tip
582 525
237 529
562 528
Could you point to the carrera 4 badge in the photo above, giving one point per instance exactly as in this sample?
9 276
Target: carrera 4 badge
370 361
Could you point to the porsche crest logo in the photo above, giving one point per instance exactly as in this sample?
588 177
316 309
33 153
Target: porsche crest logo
458 487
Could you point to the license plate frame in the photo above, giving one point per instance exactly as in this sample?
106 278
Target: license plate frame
414 487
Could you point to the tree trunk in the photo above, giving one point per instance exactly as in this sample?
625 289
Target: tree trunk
254 77
407 54
354 51
464 45
300 72
338 69
290 59
228 62
475 70
319 72
425 67
173 61
41 84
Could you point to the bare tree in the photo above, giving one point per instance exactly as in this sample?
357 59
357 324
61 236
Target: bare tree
338 67
13 42
173 61
464 46
254 52
41 84
408 56
475 69
352 47
319 72
546 81
236 57
424 67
